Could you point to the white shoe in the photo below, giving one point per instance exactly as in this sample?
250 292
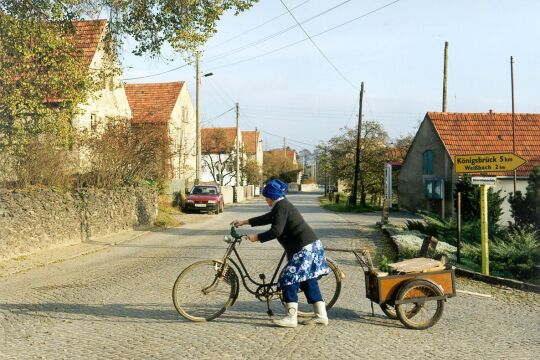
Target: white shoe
291 320
320 315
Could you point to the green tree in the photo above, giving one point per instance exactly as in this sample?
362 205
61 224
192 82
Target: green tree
340 158
470 203
526 208
42 82
183 24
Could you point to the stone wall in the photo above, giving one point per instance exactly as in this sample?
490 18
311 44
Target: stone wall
42 219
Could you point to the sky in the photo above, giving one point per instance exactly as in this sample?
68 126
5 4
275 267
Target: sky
397 51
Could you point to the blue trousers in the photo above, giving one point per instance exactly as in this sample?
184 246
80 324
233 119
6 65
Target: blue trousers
310 289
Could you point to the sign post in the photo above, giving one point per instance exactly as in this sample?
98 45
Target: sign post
499 162
484 228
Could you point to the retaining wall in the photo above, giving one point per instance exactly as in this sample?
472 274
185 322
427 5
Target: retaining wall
42 219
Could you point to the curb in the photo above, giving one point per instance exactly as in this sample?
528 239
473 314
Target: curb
495 280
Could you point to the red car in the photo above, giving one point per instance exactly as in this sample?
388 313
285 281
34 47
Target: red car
205 198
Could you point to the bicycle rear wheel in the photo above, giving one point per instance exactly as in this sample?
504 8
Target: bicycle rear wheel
330 286
201 294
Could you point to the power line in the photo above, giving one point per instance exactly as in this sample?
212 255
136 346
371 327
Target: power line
256 27
218 116
161 73
276 135
275 50
273 35
318 48
312 36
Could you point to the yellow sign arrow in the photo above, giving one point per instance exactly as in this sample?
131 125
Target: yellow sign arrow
487 163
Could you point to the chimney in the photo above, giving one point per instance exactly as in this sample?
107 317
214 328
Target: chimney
490 111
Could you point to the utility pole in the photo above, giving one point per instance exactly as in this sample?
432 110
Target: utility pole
445 76
357 155
284 148
513 116
197 118
237 144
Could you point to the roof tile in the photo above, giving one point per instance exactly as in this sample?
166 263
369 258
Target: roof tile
218 140
153 102
485 133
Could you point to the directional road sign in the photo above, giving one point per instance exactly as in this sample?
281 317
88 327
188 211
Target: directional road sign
483 180
487 163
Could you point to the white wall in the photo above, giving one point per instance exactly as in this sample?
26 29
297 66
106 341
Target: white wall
206 174
507 187
182 129
111 101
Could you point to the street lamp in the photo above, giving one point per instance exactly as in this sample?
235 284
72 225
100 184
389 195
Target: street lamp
198 116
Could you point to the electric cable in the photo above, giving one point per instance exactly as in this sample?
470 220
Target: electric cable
273 35
318 48
302 40
256 27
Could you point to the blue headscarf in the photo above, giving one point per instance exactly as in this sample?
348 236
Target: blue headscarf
274 189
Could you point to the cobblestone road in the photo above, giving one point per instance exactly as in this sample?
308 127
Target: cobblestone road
116 304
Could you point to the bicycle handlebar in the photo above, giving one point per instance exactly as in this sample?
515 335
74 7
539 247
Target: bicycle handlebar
235 237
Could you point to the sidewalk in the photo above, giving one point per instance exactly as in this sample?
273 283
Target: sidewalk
62 253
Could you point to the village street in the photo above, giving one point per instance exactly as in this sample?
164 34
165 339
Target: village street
116 304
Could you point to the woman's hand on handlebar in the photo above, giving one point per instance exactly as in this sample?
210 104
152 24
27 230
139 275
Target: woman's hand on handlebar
238 223
252 237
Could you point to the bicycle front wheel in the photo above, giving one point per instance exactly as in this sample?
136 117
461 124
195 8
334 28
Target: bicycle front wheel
203 291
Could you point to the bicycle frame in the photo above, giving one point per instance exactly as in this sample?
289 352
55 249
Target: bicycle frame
245 276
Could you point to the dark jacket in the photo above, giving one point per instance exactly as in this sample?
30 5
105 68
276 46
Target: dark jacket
288 226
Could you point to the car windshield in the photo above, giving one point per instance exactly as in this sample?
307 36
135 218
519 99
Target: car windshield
203 190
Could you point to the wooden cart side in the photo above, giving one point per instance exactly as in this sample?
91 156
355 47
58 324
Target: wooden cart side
388 286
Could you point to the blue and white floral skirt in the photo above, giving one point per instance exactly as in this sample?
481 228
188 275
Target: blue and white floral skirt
308 263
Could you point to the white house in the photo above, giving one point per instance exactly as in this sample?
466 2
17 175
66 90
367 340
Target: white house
169 104
219 155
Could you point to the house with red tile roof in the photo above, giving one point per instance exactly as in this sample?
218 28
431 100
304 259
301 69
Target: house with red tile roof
110 100
286 153
218 149
168 105
427 177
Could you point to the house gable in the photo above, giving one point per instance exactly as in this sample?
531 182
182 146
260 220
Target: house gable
485 133
154 102
218 140
88 35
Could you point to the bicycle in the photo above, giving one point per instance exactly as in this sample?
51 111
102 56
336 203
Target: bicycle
206 289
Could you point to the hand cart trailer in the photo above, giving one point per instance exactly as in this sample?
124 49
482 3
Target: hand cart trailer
416 299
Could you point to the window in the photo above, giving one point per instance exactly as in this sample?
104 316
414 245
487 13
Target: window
427 162
93 122
434 189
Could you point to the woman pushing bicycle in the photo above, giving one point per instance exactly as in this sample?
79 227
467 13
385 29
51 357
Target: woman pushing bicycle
305 253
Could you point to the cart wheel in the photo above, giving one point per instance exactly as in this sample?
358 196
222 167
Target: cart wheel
389 311
424 313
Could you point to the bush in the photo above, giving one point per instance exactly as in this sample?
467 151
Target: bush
517 254
433 226
470 201
123 154
40 162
